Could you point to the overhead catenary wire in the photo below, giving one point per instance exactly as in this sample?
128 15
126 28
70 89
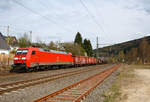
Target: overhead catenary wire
45 17
3 26
48 7
91 15
102 21
12 28
12 31
94 19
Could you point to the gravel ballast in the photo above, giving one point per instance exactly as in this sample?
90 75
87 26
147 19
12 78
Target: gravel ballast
33 75
96 94
32 93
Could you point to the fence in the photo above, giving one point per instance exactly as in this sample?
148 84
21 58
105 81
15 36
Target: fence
5 61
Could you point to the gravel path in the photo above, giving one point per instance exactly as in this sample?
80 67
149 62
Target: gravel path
137 88
29 76
34 92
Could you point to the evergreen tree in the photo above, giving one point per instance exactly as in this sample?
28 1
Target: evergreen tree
88 47
78 39
85 46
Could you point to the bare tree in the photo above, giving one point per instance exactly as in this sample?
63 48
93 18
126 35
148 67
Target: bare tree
75 49
143 49
121 56
52 46
24 41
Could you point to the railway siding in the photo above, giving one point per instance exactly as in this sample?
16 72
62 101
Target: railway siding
28 76
78 90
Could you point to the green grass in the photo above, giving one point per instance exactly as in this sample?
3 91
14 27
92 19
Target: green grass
145 66
125 73
112 93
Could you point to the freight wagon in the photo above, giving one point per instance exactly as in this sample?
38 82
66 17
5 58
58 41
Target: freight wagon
83 60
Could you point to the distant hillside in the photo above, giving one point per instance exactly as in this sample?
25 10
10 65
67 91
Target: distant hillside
115 49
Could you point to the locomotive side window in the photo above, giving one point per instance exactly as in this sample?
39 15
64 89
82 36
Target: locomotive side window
33 52
21 52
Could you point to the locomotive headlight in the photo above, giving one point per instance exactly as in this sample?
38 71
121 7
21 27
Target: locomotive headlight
16 58
23 58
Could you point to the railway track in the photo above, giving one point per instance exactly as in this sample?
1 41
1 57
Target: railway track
78 90
6 74
4 88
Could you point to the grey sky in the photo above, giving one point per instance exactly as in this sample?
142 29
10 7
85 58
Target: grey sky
119 20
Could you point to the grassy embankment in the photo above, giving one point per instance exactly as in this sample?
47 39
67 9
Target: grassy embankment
124 77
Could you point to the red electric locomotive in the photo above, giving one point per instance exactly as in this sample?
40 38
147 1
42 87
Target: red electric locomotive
29 59
35 58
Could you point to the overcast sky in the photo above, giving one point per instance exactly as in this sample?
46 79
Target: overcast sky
113 21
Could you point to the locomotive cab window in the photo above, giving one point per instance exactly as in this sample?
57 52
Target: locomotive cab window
21 52
33 52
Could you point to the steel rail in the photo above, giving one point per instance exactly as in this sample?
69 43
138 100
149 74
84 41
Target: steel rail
78 90
22 84
6 74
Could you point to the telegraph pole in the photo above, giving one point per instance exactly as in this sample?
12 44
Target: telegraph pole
31 36
7 30
97 47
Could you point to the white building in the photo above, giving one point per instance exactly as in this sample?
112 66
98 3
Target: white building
4 48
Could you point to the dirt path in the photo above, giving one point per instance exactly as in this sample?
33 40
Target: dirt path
138 90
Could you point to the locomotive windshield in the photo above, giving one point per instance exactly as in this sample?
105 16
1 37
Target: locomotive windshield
21 52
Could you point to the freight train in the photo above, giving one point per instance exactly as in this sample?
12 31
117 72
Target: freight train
32 59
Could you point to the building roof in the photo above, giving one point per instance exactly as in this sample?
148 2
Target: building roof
3 44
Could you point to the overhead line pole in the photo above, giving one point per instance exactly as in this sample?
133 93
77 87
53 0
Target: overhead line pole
31 36
7 30
97 47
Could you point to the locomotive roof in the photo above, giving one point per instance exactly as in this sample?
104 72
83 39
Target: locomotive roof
45 50
27 48
53 51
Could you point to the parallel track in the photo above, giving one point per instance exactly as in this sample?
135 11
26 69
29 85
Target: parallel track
77 91
6 74
23 84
